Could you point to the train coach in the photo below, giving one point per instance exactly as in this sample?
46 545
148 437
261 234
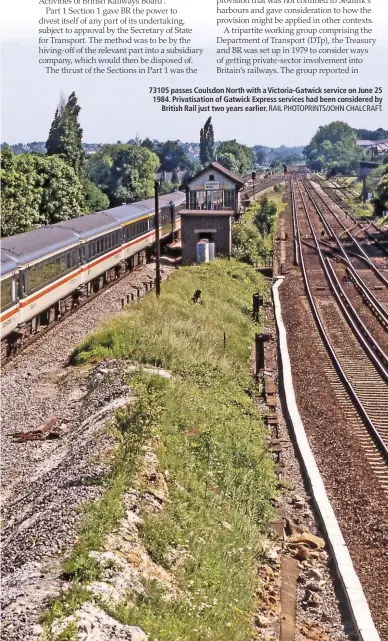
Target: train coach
48 271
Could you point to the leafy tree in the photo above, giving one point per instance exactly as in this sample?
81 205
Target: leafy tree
243 155
166 187
99 166
264 216
381 199
37 190
228 161
21 194
247 244
172 155
65 136
333 148
125 173
95 199
206 143
62 190
149 144
261 156
175 177
367 134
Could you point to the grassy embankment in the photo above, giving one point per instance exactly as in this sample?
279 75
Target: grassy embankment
207 434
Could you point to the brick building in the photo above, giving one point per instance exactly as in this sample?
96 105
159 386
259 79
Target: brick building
212 199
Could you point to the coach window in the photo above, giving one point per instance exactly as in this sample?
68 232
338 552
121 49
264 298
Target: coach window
32 277
7 296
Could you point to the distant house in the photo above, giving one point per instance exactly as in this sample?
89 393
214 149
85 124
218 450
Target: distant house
166 176
377 147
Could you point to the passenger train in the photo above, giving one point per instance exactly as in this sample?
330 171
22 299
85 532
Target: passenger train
48 271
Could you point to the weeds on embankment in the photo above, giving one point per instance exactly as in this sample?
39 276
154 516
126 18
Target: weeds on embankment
254 236
209 441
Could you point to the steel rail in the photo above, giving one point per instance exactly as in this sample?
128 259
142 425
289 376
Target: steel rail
294 226
355 221
379 310
343 205
353 239
352 393
350 314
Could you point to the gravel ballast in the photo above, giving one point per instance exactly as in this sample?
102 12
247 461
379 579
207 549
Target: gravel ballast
359 501
44 483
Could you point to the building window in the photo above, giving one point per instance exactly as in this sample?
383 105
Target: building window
212 199
202 235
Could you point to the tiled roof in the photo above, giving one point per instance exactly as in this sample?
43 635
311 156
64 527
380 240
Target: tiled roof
222 170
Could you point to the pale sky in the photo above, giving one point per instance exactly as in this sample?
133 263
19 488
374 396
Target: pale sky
119 107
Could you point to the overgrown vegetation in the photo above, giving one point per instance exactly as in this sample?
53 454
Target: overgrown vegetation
381 198
241 156
209 444
254 236
37 190
333 149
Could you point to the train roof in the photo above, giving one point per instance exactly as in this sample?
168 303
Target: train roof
177 197
90 225
126 213
8 263
37 243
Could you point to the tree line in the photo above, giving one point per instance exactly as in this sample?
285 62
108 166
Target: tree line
65 182
43 188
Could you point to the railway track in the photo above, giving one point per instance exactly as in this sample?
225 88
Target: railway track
367 264
369 228
358 367
260 184
136 292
